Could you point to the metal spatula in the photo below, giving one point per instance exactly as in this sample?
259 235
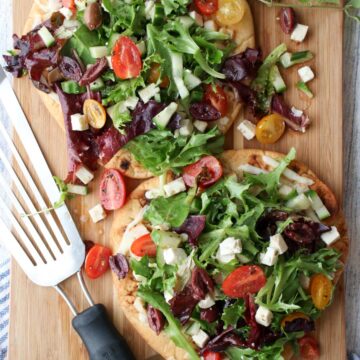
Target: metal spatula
48 246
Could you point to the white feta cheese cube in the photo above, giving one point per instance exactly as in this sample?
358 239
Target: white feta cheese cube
197 17
270 257
174 256
278 243
174 187
139 305
109 61
201 338
97 213
247 129
168 296
139 278
68 14
210 25
331 236
306 74
263 316
299 33
187 127
149 9
200 125
304 281
79 122
153 194
148 92
296 111
207 303
193 329
84 175
228 249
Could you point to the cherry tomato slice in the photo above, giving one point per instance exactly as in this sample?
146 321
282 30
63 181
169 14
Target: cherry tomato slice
206 7
204 172
320 289
210 355
230 12
112 190
97 261
246 279
70 4
290 317
270 128
154 76
95 113
217 98
144 245
126 58
309 348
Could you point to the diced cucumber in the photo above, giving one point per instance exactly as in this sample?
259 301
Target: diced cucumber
299 202
46 36
286 192
318 206
287 59
131 102
331 236
186 21
191 81
166 239
98 52
243 258
158 16
148 92
193 329
305 89
72 87
160 260
77 189
310 213
163 117
177 71
277 80
96 85
113 39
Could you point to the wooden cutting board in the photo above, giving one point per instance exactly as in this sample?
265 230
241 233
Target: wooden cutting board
40 322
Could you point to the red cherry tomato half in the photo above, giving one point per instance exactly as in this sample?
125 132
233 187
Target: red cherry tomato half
309 348
97 261
216 96
126 58
246 279
112 190
70 4
144 245
210 355
206 7
204 172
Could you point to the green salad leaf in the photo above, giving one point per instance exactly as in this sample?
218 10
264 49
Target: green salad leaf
233 313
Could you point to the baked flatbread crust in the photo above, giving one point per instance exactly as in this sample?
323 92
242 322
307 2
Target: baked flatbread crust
244 37
231 161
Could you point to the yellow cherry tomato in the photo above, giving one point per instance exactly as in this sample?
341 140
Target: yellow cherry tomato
230 12
320 289
290 317
95 113
270 128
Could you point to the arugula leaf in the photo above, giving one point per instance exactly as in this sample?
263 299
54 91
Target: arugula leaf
233 313
282 225
173 329
178 7
121 118
141 267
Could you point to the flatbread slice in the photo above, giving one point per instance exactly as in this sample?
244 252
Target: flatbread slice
231 160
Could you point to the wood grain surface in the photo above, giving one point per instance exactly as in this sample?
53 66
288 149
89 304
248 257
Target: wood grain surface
40 326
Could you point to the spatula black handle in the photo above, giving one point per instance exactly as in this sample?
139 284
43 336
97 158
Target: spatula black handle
100 336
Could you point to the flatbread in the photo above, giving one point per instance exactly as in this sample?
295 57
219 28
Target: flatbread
231 161
243 35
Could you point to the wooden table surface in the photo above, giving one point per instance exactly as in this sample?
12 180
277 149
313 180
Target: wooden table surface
351 161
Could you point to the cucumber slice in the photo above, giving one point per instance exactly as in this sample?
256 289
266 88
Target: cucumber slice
318 206
191 81
310 213
72 87
186 21
46 36
160 260
163 117
158 16
287 59
277 80
96 85
77 189
166 239
299 202
113 39
177 71
98 52
300 85
286 192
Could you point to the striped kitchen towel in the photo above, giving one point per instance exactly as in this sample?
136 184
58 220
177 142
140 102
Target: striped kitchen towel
4 301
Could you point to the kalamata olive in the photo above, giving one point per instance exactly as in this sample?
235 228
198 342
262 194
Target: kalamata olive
93 16
209 315
204 111
156 319
119 265
94 71
70 69
287 20
201 283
